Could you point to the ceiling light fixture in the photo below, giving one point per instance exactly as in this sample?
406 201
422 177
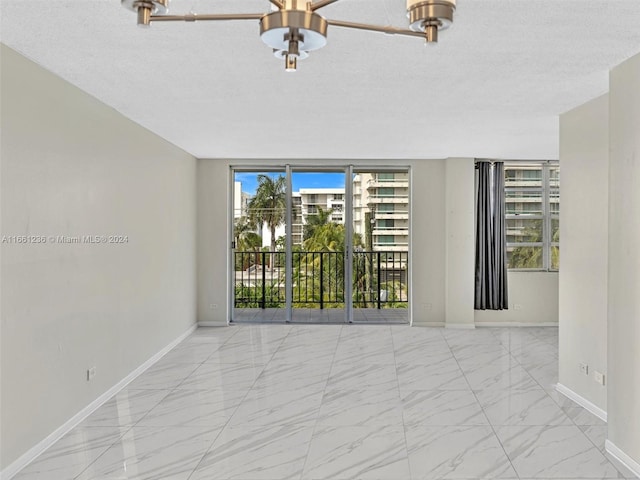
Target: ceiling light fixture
294 28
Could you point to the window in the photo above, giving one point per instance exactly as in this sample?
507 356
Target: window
532 207
386 192
385 239
386 208
385 224
386 177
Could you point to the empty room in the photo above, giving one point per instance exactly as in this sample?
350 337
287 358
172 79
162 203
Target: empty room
320 239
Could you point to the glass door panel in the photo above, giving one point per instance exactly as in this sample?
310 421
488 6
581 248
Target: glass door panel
318 246
258 247
381 246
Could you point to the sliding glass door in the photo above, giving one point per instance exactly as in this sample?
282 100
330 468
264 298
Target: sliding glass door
381 246
320 245
259 269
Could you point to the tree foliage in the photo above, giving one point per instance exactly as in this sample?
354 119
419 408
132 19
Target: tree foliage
268 205
245 236
531 257
315 221
318 265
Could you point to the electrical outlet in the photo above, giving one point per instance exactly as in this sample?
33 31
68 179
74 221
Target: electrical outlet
91 373
213 306
517 306
427 306
584 368
598 377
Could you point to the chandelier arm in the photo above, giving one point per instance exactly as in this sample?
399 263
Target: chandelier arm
321 3
278 3
376 28
192 17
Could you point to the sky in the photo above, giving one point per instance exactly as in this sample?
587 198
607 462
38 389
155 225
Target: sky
299 180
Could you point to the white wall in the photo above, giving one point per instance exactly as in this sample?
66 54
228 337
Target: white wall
214 241
533 300
73 166
428 242
442 245
460 241
584 160
624 259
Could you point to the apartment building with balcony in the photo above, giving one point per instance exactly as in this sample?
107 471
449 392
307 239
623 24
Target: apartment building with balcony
305 203
327 199
532 208
240 200
381 210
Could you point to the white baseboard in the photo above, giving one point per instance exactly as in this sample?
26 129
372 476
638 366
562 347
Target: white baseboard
460 326
516 324
583 402
476 325
212 324
31 454
623 458
427 324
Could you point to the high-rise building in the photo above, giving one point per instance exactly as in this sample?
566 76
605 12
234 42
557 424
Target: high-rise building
532 208
240 200
381 210
327 199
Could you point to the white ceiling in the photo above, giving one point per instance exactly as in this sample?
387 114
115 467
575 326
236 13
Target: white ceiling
493 87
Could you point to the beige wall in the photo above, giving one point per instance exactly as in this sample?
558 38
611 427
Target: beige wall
533 300
442 247
624 259
584 159
460 241
213 242
73 166
428 242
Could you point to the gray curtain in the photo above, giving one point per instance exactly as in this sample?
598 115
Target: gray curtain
491 254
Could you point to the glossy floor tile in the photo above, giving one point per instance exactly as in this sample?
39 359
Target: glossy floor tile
257 452
456 452
363 452
150 453
72 454
554 452
340 402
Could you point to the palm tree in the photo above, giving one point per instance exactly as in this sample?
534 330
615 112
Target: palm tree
528 257
268 206
245 240
315 221
326 238
242 229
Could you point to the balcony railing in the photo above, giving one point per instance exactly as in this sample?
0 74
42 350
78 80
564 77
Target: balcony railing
395 215
399 231
401 199
395 183
379 279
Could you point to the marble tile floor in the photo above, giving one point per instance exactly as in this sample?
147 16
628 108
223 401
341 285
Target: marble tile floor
338 402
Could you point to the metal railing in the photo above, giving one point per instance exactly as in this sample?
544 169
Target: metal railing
379 279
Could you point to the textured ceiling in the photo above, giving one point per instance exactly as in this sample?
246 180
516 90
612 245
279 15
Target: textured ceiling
493 87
